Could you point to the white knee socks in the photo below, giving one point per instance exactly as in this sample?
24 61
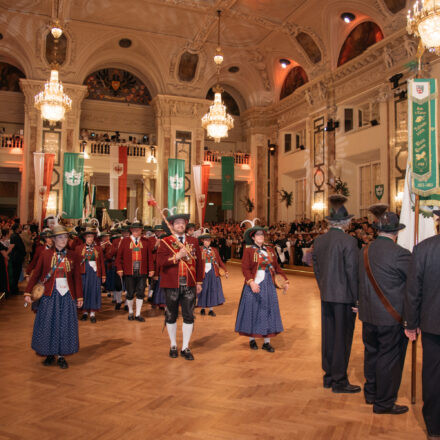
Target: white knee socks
267 340
139 303
187 330
129 303
118 297
92 314
172 330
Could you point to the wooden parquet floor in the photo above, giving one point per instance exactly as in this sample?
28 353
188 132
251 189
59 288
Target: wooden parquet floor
123 385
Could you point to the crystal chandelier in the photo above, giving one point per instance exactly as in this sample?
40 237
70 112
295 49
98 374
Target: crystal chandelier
52 101
217 121
424 22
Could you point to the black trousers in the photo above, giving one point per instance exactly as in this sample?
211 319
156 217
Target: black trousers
431 382
337 327
384 357
16 266
186 297
135 285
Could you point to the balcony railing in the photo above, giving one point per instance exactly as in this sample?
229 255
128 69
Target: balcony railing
103 148
10 142
216 156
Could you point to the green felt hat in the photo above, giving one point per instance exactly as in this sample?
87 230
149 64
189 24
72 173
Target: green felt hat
249 233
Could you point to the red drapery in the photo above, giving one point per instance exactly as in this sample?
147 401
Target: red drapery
47 180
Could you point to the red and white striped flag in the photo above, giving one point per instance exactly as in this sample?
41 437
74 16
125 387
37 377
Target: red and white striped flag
118 177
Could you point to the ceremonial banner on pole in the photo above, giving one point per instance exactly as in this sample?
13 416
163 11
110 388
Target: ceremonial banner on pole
73 185
201 181
423 139
227 182
176 184
118 177
49 160
39 187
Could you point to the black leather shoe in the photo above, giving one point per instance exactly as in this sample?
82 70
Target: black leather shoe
140 318
346 389
395 409
211 313
62 363
50 360
266 346
93 319
131 317
369 401
202 312
84 317
327 385
118 306
253 345
173 352
126 308
187 354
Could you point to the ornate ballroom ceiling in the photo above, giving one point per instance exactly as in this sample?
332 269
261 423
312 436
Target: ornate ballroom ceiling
255 35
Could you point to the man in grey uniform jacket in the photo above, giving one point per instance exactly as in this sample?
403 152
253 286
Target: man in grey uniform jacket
383 335
335 262
422 312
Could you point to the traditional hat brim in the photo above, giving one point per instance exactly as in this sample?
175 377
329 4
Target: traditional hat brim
391 229
436 212
250 232
175 217
59 232
205 237
347 217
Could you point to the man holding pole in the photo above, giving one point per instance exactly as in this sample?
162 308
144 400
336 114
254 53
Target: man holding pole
383 267
180 263
422 311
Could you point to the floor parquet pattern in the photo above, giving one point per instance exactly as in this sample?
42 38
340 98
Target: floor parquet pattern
123 385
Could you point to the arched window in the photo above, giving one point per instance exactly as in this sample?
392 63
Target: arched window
228 101
360 38
117 85
297 77
10 77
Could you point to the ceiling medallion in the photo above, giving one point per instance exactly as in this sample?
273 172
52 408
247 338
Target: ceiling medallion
425 23
217 121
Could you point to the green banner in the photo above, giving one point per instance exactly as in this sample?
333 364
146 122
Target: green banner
176 184
227 182
422 139
73 185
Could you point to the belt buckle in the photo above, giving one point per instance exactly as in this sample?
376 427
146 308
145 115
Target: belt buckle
182 281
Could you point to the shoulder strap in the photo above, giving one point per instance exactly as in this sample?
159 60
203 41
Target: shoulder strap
384 300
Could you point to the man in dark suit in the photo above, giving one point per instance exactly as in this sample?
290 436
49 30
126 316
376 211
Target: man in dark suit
16 258
422 312
382 329
335 262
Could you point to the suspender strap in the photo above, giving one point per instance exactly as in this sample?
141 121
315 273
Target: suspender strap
383 299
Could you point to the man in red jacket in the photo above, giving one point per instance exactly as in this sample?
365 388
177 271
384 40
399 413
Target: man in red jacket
180 263
132 263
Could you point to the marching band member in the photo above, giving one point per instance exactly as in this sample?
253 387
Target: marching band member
132 263
259 313
48 243
113 281
56 323
212 291
104 242
92 272
180 267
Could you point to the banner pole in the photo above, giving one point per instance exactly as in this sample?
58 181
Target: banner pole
414 343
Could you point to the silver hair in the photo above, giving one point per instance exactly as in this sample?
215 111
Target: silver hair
344 224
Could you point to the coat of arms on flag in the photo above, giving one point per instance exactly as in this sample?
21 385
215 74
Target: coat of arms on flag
420 89
73 178
176 182
117 169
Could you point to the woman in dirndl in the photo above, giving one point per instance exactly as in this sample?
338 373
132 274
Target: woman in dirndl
92 273
212 291
258 314
56 322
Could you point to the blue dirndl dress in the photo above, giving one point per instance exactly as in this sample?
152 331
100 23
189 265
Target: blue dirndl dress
158 298
212 291
56 325
91 284
259 313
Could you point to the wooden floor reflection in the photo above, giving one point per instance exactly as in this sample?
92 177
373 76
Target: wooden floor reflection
123 385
